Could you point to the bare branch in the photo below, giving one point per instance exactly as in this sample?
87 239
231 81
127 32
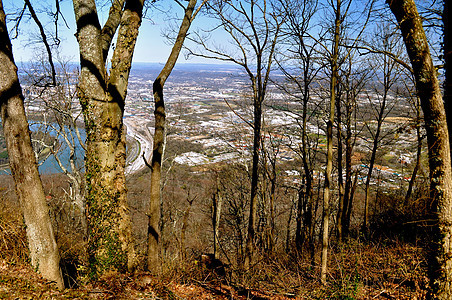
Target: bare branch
44 40
112 24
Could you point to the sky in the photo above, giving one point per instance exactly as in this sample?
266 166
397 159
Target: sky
151 45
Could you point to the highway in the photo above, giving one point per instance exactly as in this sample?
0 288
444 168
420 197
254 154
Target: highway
135 162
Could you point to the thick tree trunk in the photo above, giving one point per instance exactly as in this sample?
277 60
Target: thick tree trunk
153 261
429 93
448 66
103 99
41 240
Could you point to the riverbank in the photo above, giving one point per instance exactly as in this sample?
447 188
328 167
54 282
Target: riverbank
139 145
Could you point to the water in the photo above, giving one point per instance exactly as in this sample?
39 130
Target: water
50 165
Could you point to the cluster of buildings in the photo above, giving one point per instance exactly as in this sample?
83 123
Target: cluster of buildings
208 105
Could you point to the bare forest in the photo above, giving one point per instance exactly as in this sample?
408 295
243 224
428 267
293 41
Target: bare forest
303 153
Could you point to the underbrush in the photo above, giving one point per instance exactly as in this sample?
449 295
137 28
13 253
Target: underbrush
13 247
357 270
385 267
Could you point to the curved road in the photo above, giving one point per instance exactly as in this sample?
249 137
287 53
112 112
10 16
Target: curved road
145 147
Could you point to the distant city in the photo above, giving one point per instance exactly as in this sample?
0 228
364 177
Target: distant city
210 105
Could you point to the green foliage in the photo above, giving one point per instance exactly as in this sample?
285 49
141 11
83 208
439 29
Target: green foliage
104 246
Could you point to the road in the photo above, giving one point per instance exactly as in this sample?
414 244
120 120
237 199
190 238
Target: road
135 160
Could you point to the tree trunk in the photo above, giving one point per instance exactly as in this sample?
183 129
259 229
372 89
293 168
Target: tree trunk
153 261
329 165
103 100
418 154
342 207
348 195
308 214
41 240
448 67
183 229
249 249
299 237
289 220
429 93
216 215
271 223
373 156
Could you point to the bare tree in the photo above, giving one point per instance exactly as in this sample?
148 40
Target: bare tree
329 165
390 74
341 11
253 28
271 148
299 67
353 77
160 134
41 240
60 117
429 93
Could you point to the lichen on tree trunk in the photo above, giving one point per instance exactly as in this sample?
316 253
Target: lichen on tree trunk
102 98
429 93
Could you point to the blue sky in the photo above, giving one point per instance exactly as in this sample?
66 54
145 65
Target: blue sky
151 46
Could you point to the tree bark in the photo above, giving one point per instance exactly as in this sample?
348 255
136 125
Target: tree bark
448 66
329 165
184 226
373 156
217 203
257 117
103 99
417 166
342 201
153 262
349 143
429 93
41 240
